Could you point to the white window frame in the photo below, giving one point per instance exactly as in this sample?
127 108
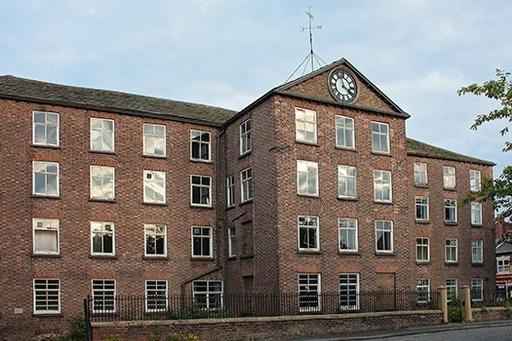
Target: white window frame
418 170
308 164
476 213
348 288
232 241
57 127
476 177
380 133
377 229
245 135
34 163
230 191
49 225
453 205
210 237
103 169
317 233
158 290
420 285
456 286
503 262
318 292
383 185
303 123
423 245
103 231
447 176
210 187
347 178
348 229
146 199
59 302
103 150
246 185
423 204
200 143
208 293
341 125
96 311
477 246
146 254
446 253
144 125
481 285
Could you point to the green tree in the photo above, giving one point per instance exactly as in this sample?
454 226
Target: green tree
499 190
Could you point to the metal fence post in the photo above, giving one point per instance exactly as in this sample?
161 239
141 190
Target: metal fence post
443 302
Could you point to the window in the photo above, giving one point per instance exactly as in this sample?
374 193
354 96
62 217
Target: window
476 213
155 240
102 183
347 182
450 251
103 295
449 181
45 128
305 125
383 236
200 146
452 289
503 264
154 140
45 179
309 292
422 250
421 208
423 289
46 236
307 178
380 137
102 135
450 211
348 234
207 294
345 132
474 180
154 187
420 174
477 251
477 289
201 190
102 238
308 233
202 242
349 291
230 191
245 137
156 296
382 186
246 184
231 242
46 296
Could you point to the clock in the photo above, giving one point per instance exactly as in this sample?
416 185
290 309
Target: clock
342 85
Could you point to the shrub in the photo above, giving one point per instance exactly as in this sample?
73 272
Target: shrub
182 337
454 313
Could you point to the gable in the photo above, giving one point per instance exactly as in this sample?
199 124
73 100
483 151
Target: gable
316 86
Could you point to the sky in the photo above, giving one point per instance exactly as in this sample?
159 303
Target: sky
228 53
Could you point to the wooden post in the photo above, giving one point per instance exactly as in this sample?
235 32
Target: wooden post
467 313
443 302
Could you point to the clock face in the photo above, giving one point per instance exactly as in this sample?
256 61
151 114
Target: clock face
343 86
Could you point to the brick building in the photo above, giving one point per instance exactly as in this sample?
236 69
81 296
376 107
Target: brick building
314 187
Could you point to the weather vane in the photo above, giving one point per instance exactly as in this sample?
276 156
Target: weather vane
311 57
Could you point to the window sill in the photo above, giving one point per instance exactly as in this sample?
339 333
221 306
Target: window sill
44 146
383 202
155 258
231 258
113 257
454 189
477 264
200 258
313 196
241 156
102 152
423 222
149 156
309 252
154 204
422 262
41 196
229 207
347 198
381 154
346 149
246 256
421 186
47 314
449 223
41 255
451 263
200 206
202 161
245 202
110 201
314 144
478 226
349 253
384 253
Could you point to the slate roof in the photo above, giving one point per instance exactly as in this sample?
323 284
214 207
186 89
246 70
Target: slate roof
417 148
504 248
112 101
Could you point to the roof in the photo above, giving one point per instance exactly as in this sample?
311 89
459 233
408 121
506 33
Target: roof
417 148
503 248
112 101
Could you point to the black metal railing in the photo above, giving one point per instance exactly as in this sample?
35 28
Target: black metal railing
490 298
177 307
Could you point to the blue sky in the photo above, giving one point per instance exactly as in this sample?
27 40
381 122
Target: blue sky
228 53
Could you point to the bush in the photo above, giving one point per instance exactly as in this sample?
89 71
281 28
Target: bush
454 313
182 337
195 312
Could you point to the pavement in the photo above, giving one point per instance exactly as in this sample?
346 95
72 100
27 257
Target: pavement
492 330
